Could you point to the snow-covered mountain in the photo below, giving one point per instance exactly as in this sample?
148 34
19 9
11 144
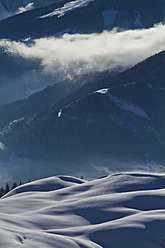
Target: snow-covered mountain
28 65
12 7
120 210
81 16
96 112
80 95
114 118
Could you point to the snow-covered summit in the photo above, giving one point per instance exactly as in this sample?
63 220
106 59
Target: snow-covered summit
70 6
47 184
120 210
12 7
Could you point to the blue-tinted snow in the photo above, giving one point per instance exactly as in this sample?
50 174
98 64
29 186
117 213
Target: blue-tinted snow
120 210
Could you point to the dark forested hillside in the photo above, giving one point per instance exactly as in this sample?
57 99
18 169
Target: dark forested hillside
95 17
118 117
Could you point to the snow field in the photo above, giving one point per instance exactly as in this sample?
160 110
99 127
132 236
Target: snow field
120 210
68 7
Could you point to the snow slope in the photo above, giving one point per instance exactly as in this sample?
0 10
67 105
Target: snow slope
3 12
121 210
70 6
122 104
12 7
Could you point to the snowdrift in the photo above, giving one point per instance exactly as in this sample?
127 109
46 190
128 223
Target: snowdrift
122 210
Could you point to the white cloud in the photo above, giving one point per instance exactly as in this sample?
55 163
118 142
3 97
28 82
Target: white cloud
28 7
82 53
109 166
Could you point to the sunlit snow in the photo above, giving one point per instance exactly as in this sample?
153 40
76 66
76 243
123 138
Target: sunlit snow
121 210
59 113
70 6
2 146
28 7
9 127
102 91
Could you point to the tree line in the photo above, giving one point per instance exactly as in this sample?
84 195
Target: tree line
7 188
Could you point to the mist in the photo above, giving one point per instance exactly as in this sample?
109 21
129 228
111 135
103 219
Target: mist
23 169
76 54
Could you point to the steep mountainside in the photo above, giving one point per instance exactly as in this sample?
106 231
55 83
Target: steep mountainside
82 17
23 60
124 121
12 7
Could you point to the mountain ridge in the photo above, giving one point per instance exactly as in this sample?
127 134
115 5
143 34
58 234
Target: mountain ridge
95 17
107 124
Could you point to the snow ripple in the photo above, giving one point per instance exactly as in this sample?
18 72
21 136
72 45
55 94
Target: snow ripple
120 210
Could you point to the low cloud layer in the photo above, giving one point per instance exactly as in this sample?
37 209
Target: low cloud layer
79 53
22 169
70 55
